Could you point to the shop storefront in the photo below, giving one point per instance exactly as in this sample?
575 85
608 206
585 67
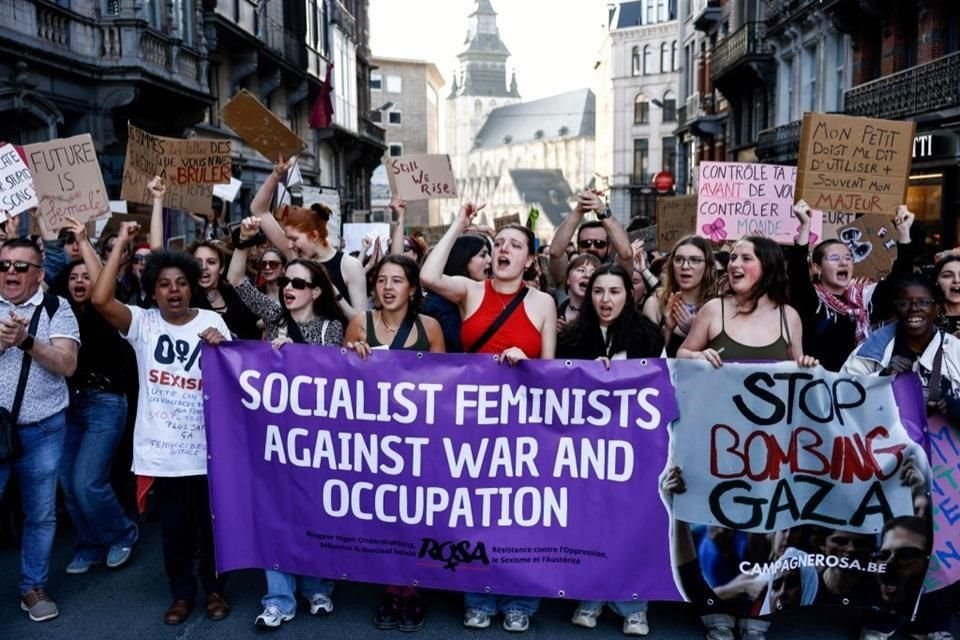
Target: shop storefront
933 193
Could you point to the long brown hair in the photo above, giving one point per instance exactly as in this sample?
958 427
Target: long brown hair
708 285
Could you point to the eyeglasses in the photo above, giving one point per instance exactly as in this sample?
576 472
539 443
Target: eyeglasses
137 259
297 283
269 264
586 244
835 259
693 261
921 303
20 266
902 556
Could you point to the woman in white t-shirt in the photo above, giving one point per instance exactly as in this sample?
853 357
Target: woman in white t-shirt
170 447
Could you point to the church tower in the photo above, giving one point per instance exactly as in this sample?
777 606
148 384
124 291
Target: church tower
479 85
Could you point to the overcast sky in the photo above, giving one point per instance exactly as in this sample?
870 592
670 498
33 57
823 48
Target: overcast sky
553 44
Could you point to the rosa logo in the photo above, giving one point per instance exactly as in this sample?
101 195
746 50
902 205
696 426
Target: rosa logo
453 553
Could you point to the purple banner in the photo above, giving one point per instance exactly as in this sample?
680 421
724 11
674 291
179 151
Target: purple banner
445 471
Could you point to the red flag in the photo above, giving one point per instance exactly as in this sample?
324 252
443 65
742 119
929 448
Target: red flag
321 116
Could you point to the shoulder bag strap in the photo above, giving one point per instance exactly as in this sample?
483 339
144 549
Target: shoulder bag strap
496 324
25 366
403 332
933 386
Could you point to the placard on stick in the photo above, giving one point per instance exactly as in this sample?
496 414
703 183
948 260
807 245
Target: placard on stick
502 221
421 177
260 128
676 218
179 162
67 180
854 164
196 198
872 241
17 193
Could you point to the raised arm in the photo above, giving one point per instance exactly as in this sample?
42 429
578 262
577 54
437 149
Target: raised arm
87 251
260 207
399 207
157 190
237 271
356 279
104 291
562 237
453 288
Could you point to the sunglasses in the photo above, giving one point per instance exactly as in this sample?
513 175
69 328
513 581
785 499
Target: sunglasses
269 264
297 283
139 259
20 266
586 244
901 556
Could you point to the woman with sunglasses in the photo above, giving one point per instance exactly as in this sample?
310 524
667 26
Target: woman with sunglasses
271 266
835 307
914 344
689 280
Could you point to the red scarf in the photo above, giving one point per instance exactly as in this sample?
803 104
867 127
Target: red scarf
852 304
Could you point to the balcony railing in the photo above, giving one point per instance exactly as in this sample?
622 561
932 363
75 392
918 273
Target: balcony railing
284 42
780 143
746 42
782 12
340 15
920 89
372 131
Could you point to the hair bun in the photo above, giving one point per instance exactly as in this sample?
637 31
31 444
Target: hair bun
321 210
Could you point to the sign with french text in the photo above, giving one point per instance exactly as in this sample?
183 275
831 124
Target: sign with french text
17 193
854 164
945 502
179 162
421 177
676 218
67 180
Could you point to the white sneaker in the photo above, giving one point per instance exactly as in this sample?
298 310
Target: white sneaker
272 617
320 603
870 634
584 617
635 624
516 621
476 619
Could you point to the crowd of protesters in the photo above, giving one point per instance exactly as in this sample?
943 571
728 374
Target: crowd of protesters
91 329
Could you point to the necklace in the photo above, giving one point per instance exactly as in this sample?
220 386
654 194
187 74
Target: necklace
383 321
572 308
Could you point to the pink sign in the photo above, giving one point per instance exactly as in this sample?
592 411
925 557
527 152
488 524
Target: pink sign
737 199
944 567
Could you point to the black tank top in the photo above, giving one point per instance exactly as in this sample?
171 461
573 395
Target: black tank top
336 277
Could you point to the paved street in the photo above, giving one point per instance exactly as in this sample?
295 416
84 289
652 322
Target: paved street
129 603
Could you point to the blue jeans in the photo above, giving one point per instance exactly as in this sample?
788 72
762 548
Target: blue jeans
37 471
621 608
490 603
95 424
282 587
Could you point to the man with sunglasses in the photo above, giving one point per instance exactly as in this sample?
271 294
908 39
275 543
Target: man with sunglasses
604 237
40 421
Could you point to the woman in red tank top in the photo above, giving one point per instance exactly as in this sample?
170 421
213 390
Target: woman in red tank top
531 330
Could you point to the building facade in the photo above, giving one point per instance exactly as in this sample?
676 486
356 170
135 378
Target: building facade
405 96
637 80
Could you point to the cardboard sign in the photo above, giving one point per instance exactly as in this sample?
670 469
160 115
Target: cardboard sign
833 221
196 198
228 192
501 222
421 177
179 162
737 199
16 184
854 164
431 235
873 242
329 197
676 218
648 235
67 180
260 128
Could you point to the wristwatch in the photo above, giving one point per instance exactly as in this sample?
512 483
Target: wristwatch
606 213
27 344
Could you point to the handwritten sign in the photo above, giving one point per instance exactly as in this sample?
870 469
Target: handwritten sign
421 177
179 162
260 128
833 221
430 235
196 198
67 180
872 241
676 218
502 221
16 184
944 567
854 164
737 199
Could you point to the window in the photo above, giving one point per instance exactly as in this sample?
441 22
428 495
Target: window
182 15
151 9
669 161
673 56
395 117
376 116
669 107
664 58
641 161
394 84
396 150
641 110
809 89
376 81
651 15
323 28
791 108
635 62
647 60
841 71
661 10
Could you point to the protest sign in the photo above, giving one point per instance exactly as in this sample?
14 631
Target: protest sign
196 198
872 242
431 235
355 232
421 177
179 162
260 128
945 501
778 449
833 221
67 180
647 234
676 218
854 164
737 199
329 197
17 193
402 469
502 221
228 192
